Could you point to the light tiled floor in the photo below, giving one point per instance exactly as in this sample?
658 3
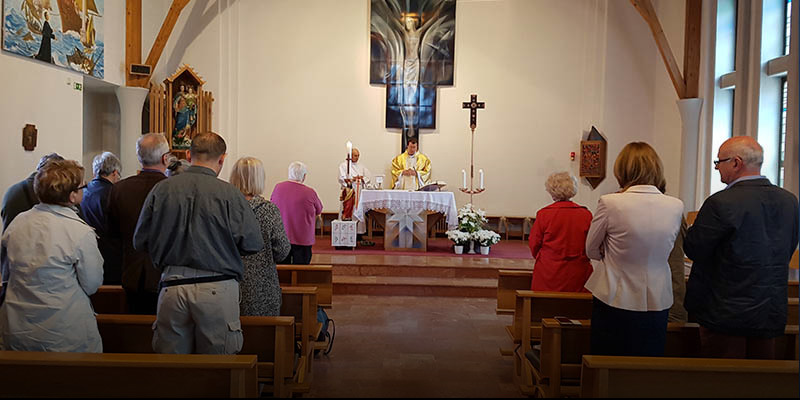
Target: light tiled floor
389 346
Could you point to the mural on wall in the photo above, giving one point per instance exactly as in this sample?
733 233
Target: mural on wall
67 33
412 45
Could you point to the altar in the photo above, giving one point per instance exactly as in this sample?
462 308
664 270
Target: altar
407 213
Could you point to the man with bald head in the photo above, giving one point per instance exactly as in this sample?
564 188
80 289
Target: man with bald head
139 277
741 244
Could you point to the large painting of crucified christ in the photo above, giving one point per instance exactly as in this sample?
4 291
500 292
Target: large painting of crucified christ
412 46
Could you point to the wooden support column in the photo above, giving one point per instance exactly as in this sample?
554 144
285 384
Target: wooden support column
645 8
133 40
691 47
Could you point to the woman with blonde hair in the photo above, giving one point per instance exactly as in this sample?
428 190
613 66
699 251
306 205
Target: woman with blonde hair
558 239
51 265
260 289
631 236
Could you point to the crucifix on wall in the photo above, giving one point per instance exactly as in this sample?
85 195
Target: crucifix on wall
412 52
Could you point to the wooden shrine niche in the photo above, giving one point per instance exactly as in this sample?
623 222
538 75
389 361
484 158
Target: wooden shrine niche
181 109
593 158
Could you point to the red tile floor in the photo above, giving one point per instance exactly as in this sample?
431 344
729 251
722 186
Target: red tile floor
401 346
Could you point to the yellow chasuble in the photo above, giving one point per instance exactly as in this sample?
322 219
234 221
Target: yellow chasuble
423 168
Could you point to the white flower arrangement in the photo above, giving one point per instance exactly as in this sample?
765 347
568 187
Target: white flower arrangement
460 238
471 220
486 237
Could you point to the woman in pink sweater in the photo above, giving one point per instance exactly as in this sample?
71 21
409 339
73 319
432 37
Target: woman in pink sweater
299 206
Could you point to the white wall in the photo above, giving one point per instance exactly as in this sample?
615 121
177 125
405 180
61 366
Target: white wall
43 95
547 71
290 80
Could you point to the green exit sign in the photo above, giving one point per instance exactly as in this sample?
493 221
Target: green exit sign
78 86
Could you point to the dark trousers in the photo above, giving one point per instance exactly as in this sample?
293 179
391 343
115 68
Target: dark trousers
720 345
143 303
298 255
618 332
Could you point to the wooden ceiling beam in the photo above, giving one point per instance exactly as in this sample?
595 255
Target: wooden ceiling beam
166 30
691 47
645 8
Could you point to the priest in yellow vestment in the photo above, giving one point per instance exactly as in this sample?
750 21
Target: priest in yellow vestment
412 169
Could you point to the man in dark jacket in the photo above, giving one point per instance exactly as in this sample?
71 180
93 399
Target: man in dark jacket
139 277
741 244
20 197
107 169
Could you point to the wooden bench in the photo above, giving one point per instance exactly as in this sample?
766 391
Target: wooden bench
325 222
515 226
792 317
50 374
110 299
554 370
609 376
793 289
530 308
508 282
271 339
301 303
319 276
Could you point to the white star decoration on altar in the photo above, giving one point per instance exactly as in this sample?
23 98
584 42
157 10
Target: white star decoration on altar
405 219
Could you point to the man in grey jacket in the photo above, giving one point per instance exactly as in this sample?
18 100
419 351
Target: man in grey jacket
196 228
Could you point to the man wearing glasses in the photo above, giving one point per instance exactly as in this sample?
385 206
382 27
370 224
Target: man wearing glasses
741 244
139 277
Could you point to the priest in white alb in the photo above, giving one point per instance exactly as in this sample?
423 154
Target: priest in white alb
411 170
357 177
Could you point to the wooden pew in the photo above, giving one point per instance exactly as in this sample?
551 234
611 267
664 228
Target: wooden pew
50 374
554 370
530 308
508 282
110 299
793 309
794 289
319 276
271 339
301 303
609 376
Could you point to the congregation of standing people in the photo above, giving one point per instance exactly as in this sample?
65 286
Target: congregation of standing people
199 252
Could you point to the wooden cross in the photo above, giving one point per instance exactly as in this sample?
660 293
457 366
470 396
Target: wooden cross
473 106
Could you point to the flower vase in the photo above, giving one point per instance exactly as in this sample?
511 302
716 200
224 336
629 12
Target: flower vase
473 245
459 249
485 250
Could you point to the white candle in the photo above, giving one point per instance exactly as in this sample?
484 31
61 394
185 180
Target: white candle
464 178
481 172
349 150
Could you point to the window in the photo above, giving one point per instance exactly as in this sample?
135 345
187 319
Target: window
724 76
775 28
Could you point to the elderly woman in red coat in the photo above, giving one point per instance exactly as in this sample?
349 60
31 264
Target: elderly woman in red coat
558 239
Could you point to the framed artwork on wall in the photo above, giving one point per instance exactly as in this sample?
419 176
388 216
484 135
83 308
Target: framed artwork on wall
66 33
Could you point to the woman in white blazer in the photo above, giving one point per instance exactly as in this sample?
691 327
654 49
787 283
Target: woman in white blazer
51 265
631 236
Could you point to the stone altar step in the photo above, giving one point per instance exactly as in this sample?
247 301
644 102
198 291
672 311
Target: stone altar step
414 286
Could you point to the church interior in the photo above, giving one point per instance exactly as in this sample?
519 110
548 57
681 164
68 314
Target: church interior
285 81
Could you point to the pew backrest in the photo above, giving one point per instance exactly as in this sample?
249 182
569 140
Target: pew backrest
319 276
271 339
615 376
531 307
50 374
508 282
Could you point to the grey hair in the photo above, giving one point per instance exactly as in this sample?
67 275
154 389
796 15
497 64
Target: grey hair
297 171
47 158
751 153
105 164
561 186
150 147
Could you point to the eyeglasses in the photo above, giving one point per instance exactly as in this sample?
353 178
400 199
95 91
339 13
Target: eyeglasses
81 187
717 162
